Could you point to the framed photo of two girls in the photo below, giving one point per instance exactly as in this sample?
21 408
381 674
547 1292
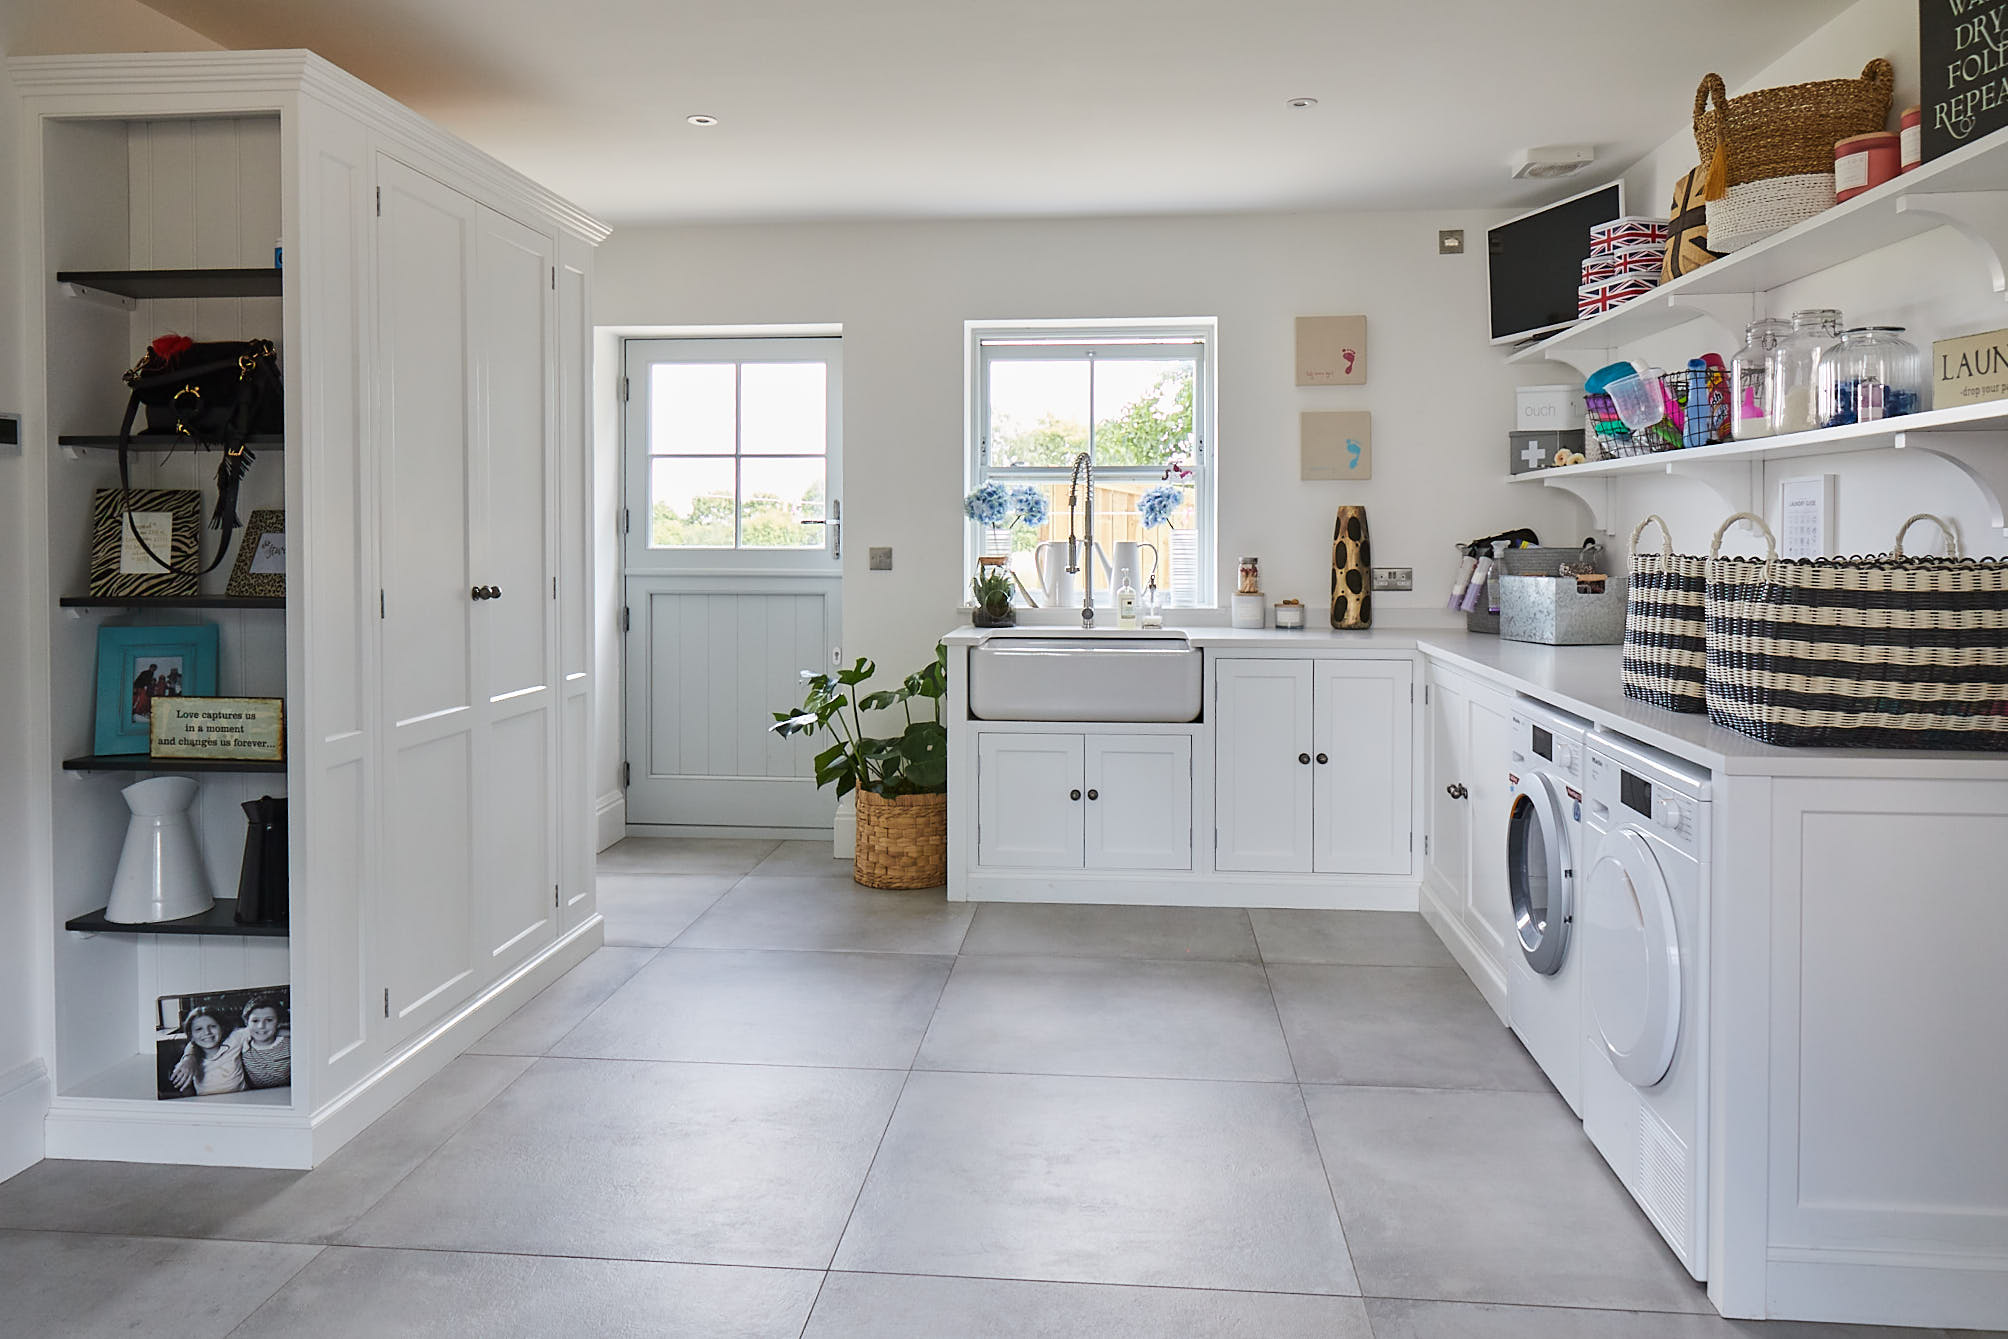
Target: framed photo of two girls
224 1041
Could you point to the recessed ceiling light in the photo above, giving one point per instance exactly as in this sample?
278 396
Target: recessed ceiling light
701 120
1302 104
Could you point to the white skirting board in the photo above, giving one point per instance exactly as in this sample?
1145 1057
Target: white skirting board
1484 973
24 1108
1943 1291
610 819
845 845
193 1134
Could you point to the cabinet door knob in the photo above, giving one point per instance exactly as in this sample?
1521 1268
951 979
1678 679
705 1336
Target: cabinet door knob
478 593
1455 791
1304 758
1322 760
1073 795
1094 795
494 592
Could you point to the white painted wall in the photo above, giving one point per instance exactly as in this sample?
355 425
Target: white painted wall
1440 397
1935 285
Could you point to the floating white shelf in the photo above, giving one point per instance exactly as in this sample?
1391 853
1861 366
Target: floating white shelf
1972 437
1967 190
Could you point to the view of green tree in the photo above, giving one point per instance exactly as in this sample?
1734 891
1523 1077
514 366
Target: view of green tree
1150 430
768 522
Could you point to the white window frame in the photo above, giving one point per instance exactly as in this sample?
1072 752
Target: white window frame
1105 339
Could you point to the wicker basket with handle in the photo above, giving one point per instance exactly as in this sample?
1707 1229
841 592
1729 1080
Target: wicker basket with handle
1665 656
1786 131
902 841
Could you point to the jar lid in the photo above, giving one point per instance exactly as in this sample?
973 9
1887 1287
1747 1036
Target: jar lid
1856 143
1874 330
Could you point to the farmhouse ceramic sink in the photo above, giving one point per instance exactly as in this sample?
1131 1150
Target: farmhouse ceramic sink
1121 678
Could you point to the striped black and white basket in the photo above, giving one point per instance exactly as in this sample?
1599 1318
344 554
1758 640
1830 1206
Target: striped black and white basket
1665 656
1878 652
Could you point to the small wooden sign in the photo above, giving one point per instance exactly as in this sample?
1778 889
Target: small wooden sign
1336 444
236 729
1331 350
1969 369
1963 59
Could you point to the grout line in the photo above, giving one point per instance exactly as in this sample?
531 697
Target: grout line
1310 1125
284 1283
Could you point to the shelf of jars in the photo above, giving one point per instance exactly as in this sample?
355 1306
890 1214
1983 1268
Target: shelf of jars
1966 190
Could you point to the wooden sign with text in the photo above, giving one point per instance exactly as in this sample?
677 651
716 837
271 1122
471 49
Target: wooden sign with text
236 729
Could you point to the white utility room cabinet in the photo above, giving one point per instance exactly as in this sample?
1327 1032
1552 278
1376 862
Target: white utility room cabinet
1263 796
1464 892
434 643
1072 802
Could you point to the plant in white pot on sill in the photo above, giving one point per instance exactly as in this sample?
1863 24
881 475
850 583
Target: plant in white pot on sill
901 780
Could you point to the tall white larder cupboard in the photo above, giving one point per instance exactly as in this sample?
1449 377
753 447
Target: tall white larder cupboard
433 645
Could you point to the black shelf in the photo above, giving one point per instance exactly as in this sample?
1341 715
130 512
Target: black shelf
220 919
161 442
173 602
177 283
140 762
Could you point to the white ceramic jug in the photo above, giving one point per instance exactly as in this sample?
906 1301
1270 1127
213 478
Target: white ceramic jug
1060 588
160 874
1129 563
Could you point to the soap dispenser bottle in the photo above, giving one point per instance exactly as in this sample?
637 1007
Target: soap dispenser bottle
1126 603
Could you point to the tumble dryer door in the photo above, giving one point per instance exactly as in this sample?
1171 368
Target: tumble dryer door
1631 959
1539 873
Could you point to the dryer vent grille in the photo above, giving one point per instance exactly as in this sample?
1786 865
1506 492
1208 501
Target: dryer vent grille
1665 1188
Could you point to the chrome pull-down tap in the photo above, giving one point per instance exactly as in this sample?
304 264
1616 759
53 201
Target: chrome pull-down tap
1082 466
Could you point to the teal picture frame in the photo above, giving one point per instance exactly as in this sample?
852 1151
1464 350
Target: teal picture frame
139 664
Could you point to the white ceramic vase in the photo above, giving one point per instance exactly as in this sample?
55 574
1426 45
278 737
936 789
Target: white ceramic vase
160 876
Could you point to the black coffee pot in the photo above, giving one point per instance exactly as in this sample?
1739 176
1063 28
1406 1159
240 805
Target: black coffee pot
261 888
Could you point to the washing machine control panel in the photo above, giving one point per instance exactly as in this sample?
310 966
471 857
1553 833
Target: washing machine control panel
1674 814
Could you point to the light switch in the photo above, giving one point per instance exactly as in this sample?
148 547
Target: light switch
879 559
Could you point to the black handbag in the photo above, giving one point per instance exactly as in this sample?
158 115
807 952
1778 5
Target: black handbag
212 395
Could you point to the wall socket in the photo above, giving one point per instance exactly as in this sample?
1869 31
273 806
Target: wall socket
878 559
1394 578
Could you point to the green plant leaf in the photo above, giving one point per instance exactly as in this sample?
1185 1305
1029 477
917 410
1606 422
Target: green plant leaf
857 673
923 753
880 700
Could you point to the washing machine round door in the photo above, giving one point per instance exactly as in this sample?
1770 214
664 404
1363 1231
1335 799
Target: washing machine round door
1631 959
1539 876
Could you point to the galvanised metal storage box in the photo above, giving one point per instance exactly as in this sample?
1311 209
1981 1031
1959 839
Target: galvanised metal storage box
1553 611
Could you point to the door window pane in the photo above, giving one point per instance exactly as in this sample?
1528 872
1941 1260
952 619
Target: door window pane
690 503
1143 410
783 409
1038 411
778 494
691 409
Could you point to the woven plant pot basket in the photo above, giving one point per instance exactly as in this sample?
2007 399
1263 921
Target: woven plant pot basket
1890 652
902 842
1790 130
1758 209
1666 649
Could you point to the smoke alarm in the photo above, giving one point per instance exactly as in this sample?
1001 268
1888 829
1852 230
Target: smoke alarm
1553 160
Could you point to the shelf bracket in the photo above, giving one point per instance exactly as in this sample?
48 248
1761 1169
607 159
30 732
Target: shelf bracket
1981 456
1739 483
1595 492
1981 217
1731 311
1585 361
98 297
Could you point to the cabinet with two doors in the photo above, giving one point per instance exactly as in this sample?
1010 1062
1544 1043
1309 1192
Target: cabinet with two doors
1100 801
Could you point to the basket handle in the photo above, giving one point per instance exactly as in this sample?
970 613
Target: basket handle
1716 184
1951 535
1880 76
1770 542
1665 536
1712 83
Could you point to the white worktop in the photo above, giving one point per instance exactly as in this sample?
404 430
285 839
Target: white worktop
1584 680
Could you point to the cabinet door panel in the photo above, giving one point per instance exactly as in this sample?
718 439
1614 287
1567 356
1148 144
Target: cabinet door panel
1488 905
1364 801
1446 853
1029 801
1139 802
1262 793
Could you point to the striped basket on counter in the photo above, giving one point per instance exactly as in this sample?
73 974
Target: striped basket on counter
1665 659
1879 652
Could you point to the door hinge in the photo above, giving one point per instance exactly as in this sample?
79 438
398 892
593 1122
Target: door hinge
383 605
386 1001
554 588
624 390
1425 694
626 621
1411 695
626 775
380 215
1425 844
627 521
554 278
554 896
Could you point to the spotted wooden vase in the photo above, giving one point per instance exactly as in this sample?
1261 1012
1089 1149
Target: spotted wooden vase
1352 570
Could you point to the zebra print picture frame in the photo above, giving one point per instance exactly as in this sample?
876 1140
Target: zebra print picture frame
168 519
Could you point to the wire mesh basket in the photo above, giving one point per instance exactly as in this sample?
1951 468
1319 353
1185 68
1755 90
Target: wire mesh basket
1616 439
1703 397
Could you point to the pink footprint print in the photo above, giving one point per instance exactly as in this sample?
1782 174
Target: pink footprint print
1350 355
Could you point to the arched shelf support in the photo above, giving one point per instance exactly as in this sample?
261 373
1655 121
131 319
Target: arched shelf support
1981 217
1598 492
1981 456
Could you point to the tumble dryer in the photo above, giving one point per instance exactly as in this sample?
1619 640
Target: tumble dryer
1642 929
1543 850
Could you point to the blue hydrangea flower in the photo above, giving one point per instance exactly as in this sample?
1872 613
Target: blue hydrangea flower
1158 504
1030 504
989 505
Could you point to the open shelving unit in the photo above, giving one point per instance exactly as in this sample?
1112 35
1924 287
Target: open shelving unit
220 919
159 443
148 285
140 762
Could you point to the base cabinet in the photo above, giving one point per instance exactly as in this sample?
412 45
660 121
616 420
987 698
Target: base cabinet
1313 766
1464 854
1069 801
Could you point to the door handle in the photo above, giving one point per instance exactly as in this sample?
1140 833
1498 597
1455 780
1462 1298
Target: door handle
1073 795
1455 791
1094 794
1322 760
487 592
1304 758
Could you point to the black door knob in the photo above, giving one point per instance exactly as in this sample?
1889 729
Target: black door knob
1322 760
1073 795
494 592
1455 791
1304 758
1094 795
479 593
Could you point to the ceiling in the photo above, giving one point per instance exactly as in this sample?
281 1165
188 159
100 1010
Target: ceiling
947 108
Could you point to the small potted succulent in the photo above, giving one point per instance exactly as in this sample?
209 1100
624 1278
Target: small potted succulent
992 590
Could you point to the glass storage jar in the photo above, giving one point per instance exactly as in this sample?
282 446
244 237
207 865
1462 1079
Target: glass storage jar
1795 369
1749 383
1874 373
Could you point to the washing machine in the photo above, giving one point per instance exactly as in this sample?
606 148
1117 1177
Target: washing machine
1642 941
1543 847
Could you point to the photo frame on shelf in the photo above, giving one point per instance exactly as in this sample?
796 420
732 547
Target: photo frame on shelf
260 569
136 666
169 520
223 1041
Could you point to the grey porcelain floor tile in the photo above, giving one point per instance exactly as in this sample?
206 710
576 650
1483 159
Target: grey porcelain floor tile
651 910
1141 1181
252 1204
762 1006
562 1005
803 858
1458 1320
1362 938
1057 931
685 855
1141 1019
905 1306
805 911
389 1294
1397 1027
66 1285
1488 1197
705 1164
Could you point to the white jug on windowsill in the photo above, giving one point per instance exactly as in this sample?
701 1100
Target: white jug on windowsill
1059 588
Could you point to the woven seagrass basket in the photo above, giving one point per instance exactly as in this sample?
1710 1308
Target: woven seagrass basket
902 842
1790 130
1665 657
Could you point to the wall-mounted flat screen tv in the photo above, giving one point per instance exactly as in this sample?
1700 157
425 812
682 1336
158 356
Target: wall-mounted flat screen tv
1536 262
